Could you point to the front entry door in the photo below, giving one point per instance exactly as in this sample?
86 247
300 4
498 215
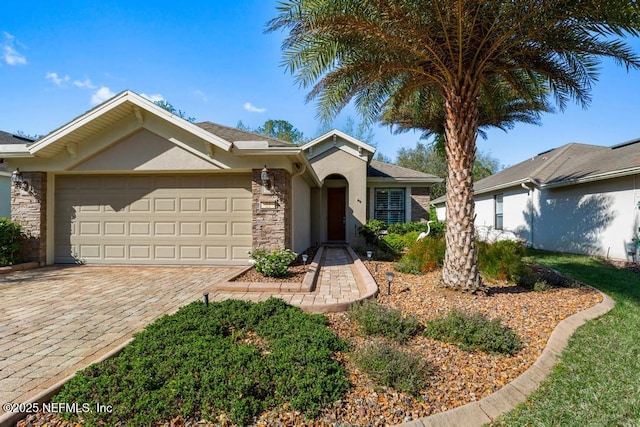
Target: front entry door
336 219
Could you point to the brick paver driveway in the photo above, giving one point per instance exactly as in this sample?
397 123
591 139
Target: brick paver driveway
56 320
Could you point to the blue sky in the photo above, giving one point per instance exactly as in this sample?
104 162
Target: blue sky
213 61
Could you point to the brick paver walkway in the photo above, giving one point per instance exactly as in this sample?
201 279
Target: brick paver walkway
55 321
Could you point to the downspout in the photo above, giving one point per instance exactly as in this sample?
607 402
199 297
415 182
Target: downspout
531 217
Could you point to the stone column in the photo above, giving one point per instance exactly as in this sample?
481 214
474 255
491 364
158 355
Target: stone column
29 209
271 210
420 200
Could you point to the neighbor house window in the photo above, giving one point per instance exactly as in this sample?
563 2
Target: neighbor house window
498 209
389 205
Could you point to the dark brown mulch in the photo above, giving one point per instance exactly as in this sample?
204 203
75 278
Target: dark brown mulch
458 377
295 273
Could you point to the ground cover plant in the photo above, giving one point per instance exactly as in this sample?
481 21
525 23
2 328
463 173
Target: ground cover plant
596 380
474 332
377 320
230 360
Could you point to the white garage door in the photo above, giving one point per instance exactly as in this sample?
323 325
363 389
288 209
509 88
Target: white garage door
153 219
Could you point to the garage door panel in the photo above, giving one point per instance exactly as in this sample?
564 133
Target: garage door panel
152 220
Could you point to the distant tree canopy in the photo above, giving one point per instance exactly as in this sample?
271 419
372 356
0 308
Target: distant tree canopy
170 108
361 131
23 134
430 158
279 129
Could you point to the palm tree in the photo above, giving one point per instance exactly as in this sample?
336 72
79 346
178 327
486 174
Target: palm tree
380 54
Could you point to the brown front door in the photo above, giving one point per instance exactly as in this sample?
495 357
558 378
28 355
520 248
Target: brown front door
336 219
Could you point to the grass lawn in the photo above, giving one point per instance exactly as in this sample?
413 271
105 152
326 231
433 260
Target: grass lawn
597 380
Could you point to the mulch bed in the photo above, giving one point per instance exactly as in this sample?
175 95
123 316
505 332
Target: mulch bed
458 377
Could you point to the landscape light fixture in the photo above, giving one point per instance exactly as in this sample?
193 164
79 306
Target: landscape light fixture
369 255
206 299
305 257
390 277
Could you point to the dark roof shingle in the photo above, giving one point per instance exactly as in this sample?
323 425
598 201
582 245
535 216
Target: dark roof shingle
378 169
232 134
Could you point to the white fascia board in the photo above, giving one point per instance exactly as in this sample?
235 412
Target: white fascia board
342 135
271 151
516 183
116 101
592 178
14 150
418 181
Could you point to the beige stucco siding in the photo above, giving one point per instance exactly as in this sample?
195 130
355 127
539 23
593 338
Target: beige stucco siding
153 219
354 170
301 201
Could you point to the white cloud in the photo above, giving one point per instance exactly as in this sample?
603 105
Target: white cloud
101 95
58 80
200 94
153 98
252 109
9 53
84 84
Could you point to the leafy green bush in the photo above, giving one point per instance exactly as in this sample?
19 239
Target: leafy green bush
272 264
10 233
394 243
371 230
502 260
233 358
422 256
377 320
392 367
474 332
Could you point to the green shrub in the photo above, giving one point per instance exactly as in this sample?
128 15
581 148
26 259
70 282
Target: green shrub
273 264
371 230
377 320
10 233
393 243
422 256
392 367
233 358
502 260
474 332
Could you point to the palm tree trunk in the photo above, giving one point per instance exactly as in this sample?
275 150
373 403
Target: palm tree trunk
460 270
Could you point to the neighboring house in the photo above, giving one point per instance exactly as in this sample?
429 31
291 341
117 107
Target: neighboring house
5 174
130 183
576 198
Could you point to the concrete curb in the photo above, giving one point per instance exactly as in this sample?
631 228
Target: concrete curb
307 285
366 285
516 392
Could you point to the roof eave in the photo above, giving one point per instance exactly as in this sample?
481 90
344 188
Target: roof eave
14 151
271 151
417 180
591 178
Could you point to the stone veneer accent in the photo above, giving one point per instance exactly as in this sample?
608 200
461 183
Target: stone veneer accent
271 227
420 200
29 209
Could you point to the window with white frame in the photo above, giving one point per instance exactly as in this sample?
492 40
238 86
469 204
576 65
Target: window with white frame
389 205
497 199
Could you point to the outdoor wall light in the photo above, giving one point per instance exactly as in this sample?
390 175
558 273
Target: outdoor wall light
267 180
390 277
18 181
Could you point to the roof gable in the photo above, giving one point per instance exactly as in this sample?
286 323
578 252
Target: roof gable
126 105
341 141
